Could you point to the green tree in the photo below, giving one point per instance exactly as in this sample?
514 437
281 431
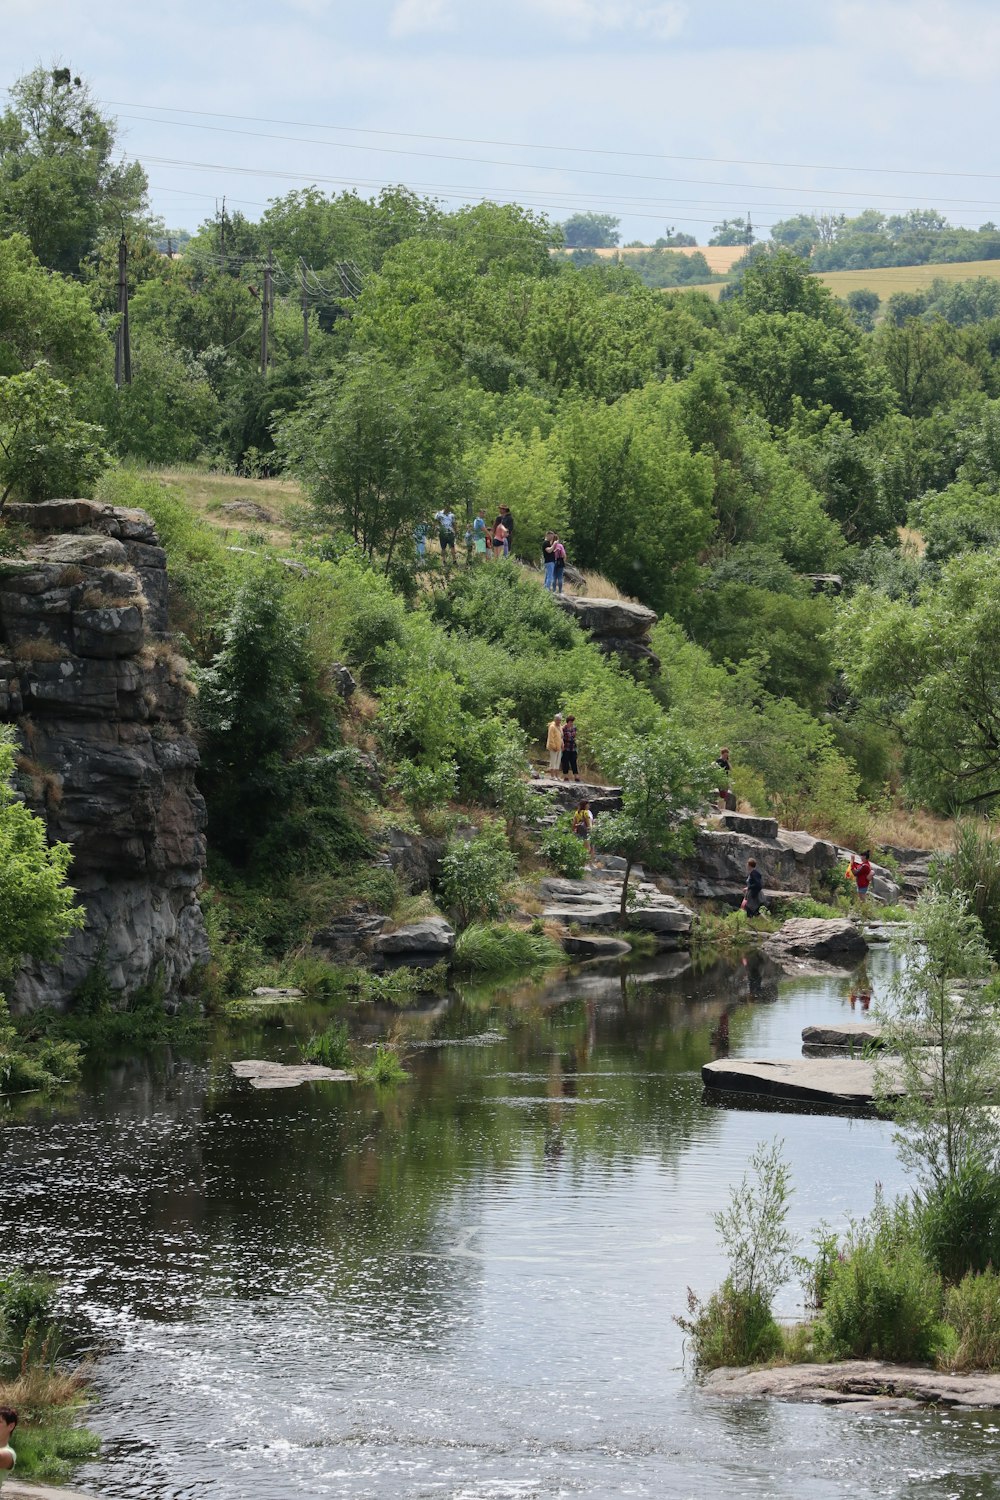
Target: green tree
944 1048
864 305
640 500
591 231
45 317
44 449
377 449
61 184
526 475
781 357
169 413
663 778
732 232
932 672
924 363
37 910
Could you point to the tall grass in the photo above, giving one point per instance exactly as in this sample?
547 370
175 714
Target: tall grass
330 1048
972 1310
973 867
496 949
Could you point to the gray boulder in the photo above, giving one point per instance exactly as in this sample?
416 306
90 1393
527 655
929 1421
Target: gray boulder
833 940
348 935
433 937
594 945
754 827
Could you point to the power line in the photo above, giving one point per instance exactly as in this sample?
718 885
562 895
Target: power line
728 161
547 167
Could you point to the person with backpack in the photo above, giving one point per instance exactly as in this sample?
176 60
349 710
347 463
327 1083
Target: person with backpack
446 532
558 565
860 871
582 824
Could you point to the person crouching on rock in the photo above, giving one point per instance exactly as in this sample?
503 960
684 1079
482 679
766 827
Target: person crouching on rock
583 823
754 889
554 743
569 761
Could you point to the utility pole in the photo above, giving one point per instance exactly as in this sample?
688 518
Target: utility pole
749 234
222 235
123 351
305 307
265 314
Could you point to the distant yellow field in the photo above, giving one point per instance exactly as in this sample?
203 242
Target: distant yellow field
886 282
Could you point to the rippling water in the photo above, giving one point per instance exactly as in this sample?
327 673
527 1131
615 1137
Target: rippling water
463 1287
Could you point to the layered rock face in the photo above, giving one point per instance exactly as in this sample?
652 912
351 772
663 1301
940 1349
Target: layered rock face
616 626
100 701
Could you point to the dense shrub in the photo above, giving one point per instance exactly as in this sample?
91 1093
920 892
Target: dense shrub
563 850
972 1311
475 873
958 1221
883 1300
331 1048
734 1327
973 867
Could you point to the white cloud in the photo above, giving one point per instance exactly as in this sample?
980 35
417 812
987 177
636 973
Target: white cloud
952 39
410 17
659 18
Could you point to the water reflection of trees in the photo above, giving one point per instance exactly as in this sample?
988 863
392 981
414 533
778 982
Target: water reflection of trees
192 1185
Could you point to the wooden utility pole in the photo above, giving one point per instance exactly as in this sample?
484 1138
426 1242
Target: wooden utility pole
266 303
305 307
123 351
222 235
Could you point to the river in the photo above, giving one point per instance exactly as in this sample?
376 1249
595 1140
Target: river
463 1287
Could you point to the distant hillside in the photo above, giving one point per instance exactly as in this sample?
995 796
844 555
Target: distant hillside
721 258
885 281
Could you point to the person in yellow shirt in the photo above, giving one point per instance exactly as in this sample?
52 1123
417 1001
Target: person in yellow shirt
553 742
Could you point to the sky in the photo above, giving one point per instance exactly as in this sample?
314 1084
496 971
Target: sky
659 112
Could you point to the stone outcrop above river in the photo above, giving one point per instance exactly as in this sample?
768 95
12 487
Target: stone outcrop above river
100 697
617 627
800 940
789 859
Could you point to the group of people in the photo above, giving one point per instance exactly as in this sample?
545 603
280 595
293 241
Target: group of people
479 535
554 558
560 742
490 541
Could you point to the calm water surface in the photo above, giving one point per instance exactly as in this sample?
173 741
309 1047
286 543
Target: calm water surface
463 1287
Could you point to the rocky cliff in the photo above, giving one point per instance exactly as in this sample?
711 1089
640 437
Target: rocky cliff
100 700
617 627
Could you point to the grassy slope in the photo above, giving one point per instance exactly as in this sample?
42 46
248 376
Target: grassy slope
207 493
887 281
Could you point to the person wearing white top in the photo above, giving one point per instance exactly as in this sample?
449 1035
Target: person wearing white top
8 1421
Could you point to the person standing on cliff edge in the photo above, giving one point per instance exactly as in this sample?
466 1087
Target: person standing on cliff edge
554 742
569 760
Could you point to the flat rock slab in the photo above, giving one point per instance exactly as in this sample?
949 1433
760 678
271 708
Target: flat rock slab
263 993
856 1382
275 1075
840 1081
16 1489
595 945
846 1035
433 936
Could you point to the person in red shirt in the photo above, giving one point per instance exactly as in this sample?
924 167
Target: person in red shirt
861 872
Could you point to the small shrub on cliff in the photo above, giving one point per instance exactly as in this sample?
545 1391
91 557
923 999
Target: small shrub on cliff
564 851
475 873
